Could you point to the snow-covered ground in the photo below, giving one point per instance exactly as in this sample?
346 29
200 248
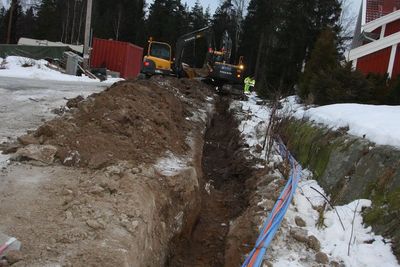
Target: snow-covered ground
378 124
21 67
26 103
366 248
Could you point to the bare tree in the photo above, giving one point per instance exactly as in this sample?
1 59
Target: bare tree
347 22
117 23
239 6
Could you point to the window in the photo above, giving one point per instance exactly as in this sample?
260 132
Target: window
160 50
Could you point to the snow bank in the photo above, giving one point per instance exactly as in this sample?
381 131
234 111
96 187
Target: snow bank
39 70
378 124
366 249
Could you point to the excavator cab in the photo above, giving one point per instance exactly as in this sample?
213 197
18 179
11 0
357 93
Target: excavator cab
158 59
159 56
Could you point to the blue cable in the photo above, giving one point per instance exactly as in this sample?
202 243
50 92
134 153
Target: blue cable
264 240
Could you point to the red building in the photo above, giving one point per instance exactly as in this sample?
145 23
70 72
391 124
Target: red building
375 47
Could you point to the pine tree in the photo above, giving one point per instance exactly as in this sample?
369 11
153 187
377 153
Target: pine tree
168 19
278 36
3 26
319 70
26 24
50 17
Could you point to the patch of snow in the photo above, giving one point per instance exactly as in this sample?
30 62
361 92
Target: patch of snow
4 160
171 165
39 70
376 123
25 104
366 249
253 122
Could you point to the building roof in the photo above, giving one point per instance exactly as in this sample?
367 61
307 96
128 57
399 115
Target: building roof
374 9
29 41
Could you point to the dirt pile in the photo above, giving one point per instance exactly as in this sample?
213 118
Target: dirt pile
134 121
127 213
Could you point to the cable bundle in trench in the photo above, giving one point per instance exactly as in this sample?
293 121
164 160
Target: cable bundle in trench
274 220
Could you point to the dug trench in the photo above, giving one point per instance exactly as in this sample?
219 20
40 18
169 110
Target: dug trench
223 197
144 174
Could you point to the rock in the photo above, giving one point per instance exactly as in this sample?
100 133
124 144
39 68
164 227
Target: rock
44 154
67 192
300 222
313 243
13 256
10 149
73 103
258 149
111 186
336 264
135 170
114 170
99 161
322 258
300 235
97 190
94 224
4 263
69 158
28 140
268 264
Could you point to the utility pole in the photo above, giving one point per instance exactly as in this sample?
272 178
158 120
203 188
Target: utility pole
11 14
86 52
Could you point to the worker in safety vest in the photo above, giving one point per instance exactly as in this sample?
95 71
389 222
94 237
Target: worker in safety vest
249 82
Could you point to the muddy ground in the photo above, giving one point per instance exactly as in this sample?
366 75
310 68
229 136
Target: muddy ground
147 173
125 209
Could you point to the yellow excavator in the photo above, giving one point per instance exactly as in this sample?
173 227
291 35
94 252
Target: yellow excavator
159 55
159 60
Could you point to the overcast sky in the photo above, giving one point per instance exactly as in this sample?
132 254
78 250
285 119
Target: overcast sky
205 3
214 4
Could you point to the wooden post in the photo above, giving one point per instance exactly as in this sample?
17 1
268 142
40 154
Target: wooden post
86 52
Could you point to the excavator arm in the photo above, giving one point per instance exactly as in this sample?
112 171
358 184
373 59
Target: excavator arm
185 40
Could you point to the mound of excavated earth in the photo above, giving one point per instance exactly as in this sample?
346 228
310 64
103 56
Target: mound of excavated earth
134 121
128 181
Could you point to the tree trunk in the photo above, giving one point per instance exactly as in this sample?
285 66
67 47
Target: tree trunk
258 60
73 23
10 21
78 38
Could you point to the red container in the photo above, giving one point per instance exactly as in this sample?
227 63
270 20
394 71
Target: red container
122 57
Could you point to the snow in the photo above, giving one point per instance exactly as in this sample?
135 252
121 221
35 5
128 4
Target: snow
39 70
26 103
366 249
378 124
334 240
170 165
254 129
4 159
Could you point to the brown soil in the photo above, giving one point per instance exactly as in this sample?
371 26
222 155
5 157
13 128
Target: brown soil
122 215
134 121
226 169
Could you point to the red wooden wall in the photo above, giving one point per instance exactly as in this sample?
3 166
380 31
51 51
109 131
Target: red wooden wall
375 63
